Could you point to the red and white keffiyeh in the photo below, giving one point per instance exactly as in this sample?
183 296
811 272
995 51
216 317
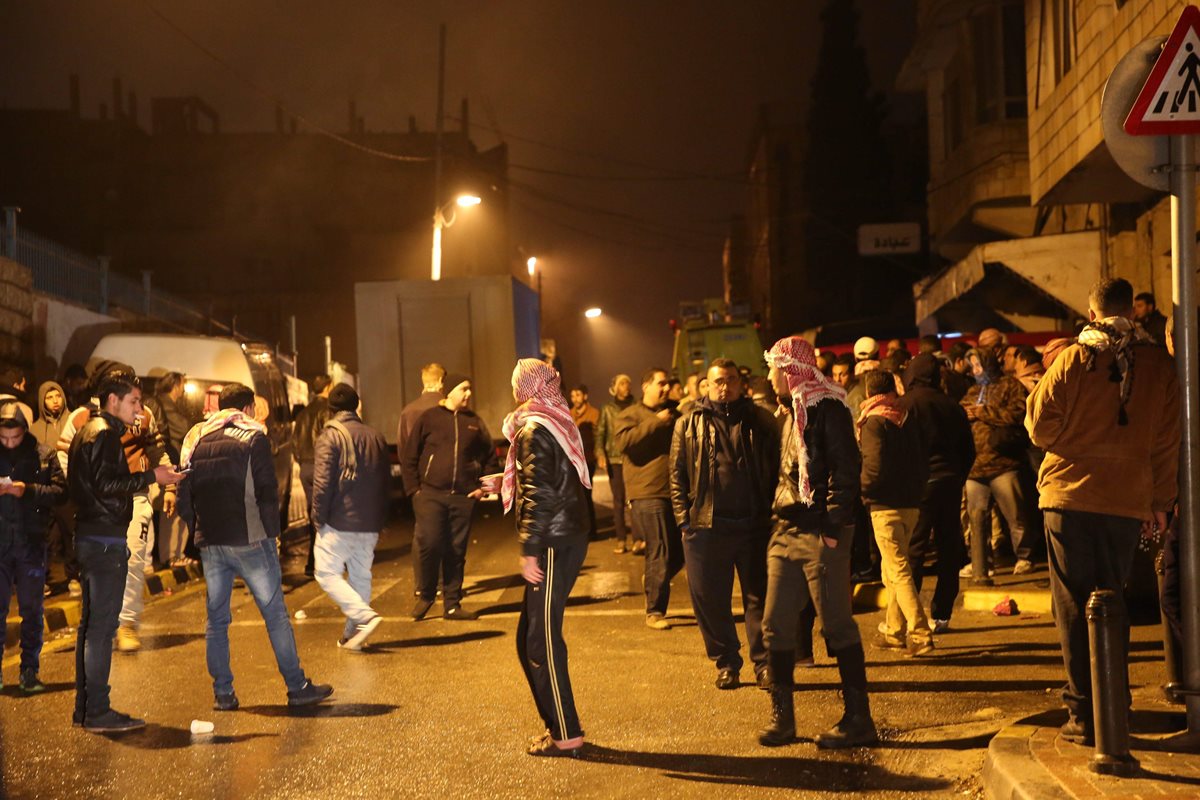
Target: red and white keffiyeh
538 391
218 421
796 359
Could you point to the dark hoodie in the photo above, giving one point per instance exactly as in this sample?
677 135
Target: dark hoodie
48 427
943 423
24 519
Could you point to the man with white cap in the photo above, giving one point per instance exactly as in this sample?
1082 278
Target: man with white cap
866 349
448 450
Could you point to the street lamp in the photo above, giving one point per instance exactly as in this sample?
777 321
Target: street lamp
440 221
592 313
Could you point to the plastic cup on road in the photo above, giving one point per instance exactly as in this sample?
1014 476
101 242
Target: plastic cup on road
201 727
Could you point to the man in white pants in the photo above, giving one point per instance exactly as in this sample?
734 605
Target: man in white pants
144 449
350 504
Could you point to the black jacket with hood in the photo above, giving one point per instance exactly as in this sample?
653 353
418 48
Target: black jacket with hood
694 458
945 429
24 519
48 427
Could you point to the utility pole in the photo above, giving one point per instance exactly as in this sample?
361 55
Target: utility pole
437 156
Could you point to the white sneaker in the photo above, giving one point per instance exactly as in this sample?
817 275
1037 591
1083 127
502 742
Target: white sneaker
1022 567
941 625
362 631
966 572
74 588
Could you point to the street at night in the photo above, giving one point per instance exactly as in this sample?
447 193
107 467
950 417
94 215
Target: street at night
439 708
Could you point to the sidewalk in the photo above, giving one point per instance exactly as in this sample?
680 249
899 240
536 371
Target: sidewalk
63 611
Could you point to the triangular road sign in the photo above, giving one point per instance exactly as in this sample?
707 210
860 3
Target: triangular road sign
1169 104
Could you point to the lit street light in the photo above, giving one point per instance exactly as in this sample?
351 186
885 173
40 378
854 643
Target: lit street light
440 222
592 313
531 262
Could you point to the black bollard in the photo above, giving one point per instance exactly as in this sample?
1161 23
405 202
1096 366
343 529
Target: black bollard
1110 686
1170 658
981 534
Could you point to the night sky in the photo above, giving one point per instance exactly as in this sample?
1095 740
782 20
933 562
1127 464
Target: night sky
648 106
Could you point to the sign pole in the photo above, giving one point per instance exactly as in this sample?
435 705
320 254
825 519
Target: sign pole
1187 348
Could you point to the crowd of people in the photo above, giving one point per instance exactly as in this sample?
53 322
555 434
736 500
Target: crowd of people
825 471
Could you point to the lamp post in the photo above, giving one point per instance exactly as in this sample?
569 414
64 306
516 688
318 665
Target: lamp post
440 222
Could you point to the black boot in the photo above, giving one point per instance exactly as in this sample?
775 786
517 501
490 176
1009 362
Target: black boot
782 729
855 728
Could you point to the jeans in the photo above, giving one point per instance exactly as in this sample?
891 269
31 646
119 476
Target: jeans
1087 552
893 532
257 565
654 521
440 540
24 567
1006 488
801 569
340 552
139 540
712 556
540 644
940 520
102 569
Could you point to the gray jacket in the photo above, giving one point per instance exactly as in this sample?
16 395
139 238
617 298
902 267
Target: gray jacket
351 475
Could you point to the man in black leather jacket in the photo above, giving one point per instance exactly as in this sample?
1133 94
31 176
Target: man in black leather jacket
31 484
724 464
549 469
102 488
808 558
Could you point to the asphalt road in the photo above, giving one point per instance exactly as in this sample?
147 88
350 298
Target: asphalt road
440 708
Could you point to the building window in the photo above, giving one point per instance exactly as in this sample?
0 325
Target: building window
998 50
1062 31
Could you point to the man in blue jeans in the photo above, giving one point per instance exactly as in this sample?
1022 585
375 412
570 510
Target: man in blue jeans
102 488
226 455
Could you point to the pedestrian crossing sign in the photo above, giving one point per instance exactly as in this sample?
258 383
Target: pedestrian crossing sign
1169 103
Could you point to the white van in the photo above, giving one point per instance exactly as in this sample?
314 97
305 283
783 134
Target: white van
208 363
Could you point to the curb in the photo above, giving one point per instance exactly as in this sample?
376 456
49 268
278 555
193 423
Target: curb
1032 601
869 596
1011 772
60 614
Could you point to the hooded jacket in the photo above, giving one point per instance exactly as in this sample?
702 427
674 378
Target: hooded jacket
945 429
48 427
998 403
25 519
742 435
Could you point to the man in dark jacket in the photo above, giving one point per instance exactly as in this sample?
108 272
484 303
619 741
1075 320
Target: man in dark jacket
445 455
52 416
350 504
173 423
102 488
808 557
894 469
31 484
432 375
946 437
724 466
305 430
642 433
610 458
231 503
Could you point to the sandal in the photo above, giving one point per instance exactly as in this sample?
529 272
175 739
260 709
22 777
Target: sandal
546 747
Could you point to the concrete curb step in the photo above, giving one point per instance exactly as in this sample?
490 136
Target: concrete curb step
1012 772
874 596
60 614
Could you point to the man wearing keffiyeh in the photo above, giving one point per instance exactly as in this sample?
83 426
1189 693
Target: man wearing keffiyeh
545 478
808 557
1107 415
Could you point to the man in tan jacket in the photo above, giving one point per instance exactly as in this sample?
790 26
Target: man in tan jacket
1107 415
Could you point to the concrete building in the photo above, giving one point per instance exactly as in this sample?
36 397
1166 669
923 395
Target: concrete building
1026 206
259 226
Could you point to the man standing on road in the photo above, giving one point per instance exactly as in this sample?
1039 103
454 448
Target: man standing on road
643 435
31 484
231 502
1146 314
350 504
305 430
808 558
432 375
102 486
950 449
1107 415
724 467
173 423
586 417
445 455
608 455
545 476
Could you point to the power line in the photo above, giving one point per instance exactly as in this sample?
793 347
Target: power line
262 91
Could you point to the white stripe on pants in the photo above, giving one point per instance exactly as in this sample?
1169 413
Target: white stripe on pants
139 538
344 552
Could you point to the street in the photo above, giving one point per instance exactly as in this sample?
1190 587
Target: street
441 708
